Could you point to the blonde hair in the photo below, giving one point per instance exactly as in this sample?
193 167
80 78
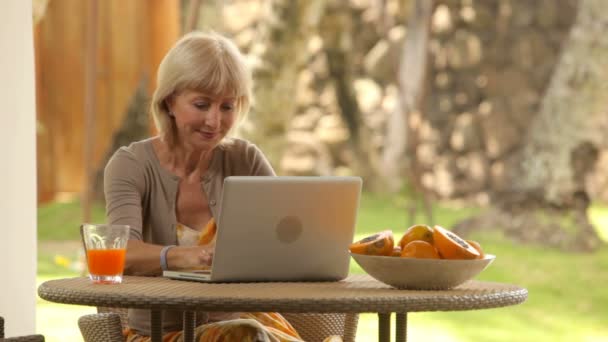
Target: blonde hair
205 62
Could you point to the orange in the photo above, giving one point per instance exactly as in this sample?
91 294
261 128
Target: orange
451 246
417 232
378 244
420 249
477 246
396 251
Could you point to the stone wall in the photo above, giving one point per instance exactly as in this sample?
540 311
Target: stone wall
490 62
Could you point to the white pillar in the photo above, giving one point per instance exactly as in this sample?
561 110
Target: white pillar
17 169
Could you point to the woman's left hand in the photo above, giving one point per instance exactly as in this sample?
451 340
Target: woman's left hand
191 257
206 256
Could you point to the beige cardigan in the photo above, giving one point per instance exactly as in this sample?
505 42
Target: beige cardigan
142 194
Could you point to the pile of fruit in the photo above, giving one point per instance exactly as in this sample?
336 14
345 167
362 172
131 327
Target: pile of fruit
419 241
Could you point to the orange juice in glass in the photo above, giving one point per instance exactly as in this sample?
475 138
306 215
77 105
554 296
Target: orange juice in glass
105 247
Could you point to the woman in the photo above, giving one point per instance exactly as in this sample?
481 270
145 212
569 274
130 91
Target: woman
167 188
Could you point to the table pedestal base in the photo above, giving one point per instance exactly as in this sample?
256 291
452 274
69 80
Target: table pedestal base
384 327
156 321
189 325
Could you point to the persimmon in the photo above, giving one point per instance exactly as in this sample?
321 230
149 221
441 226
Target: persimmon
420 249
417 232
451 246
378 244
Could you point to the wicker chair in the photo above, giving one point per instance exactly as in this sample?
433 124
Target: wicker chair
28 338
107 325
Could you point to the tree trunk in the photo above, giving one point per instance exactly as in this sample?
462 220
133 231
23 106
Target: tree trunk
412 80
548 200
337 25
201 15
90 100
412 83
284 39
191 20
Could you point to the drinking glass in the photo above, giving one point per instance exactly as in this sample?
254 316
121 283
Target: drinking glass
105 246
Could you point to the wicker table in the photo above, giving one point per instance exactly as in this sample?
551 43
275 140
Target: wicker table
356 294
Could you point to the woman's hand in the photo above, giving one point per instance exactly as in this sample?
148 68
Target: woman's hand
189 257
144 258
206 256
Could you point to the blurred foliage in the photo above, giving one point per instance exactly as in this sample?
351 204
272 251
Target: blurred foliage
379 211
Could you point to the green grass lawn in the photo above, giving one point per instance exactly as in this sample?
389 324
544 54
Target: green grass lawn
61 221
567 300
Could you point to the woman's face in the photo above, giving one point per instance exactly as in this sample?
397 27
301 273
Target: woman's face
202 121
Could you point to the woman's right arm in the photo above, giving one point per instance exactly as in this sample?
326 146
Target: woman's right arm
144 258
124 188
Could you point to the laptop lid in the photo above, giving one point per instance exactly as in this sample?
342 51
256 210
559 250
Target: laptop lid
285 228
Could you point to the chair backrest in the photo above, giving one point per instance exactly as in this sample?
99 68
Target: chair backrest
28 338
312 327
122 312
102 327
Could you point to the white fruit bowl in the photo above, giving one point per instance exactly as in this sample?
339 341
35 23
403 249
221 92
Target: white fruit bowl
421 274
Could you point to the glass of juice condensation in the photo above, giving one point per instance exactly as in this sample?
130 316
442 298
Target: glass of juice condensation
105 246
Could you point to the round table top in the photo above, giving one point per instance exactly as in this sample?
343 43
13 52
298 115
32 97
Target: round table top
357 293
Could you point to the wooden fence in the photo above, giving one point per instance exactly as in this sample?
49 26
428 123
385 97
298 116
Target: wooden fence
132 38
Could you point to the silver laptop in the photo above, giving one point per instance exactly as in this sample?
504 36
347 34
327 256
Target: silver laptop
283 229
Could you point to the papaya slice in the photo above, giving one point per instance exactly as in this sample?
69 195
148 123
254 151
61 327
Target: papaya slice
396 251
477 246
208 233
378 244
451 246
